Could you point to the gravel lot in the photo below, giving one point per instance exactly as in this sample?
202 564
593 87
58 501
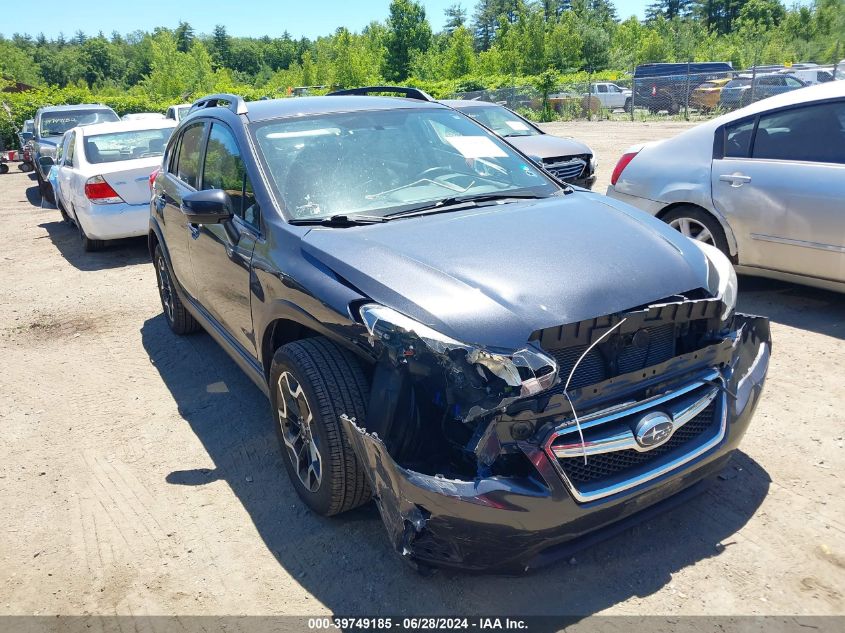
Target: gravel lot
140 474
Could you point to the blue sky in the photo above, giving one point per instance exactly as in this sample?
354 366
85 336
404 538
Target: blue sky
241 17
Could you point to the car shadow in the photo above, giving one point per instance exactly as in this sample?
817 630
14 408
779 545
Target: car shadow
116 253
803 307
33 196
346 562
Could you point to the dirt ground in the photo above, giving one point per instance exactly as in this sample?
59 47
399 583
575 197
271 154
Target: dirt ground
140 474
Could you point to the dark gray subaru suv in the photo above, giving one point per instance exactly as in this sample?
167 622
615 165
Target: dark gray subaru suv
503 363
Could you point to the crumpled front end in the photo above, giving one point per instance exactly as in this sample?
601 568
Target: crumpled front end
652 409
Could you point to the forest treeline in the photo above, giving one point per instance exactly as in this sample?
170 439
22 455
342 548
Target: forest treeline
493 42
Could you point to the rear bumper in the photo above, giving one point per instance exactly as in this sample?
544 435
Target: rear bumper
649 206
511 525
115 221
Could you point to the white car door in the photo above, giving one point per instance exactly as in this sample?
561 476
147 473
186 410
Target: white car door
780 182
65 165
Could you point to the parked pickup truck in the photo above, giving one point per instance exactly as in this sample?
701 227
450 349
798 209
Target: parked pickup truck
51 122
611 96
599 95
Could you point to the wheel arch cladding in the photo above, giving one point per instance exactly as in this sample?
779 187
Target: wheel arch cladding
279 332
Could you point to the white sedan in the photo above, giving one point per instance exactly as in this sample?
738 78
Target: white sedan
764 184
103 177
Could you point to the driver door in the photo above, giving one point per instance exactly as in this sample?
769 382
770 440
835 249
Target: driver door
221 256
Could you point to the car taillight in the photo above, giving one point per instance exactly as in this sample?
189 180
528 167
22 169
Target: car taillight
99 191
627 157
153 178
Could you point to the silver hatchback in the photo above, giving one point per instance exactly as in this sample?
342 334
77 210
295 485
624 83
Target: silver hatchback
765 184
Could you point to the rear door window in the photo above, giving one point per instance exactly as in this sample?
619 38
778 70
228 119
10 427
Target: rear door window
187 164
738 139
69 152
813 133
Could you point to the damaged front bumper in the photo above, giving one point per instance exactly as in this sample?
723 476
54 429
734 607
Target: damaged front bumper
511 524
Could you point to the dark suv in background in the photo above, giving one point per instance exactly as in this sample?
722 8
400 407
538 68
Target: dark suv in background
504 363
51 122
664 86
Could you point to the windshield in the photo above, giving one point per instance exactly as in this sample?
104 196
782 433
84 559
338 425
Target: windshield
738 83
57 123
181 111
501 120
378 162
117 146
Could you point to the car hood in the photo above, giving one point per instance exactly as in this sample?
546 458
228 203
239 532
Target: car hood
494 275
548 146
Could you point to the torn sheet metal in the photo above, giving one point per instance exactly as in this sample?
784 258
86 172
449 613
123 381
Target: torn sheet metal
513 523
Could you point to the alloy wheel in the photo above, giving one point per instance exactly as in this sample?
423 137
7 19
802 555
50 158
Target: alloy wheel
165 289
295 419
693 229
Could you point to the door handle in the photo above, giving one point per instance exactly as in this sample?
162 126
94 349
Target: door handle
736 180
160 201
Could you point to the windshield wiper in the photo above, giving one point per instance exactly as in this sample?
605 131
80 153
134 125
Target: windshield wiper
456 202
340 220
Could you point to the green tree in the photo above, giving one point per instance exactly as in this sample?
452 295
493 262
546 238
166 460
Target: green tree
460 54
221 46
409 33
456 17
184 37
99 61
564 43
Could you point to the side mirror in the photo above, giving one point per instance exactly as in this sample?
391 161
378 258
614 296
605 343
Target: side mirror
209 206
46 162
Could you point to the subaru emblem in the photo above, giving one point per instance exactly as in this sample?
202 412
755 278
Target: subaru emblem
654 429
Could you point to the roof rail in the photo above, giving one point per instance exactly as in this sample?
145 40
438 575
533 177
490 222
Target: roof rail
410 93
235 103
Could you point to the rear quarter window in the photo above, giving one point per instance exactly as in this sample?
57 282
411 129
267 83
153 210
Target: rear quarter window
187 162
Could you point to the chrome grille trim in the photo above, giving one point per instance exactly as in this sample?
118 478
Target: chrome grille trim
565 168
699 446
626 440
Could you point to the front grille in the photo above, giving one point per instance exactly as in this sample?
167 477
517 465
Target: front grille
596 368
567 168
619 463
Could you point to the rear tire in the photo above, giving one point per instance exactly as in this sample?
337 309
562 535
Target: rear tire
627 107
4 168
313 382
88 245
698 224
178 318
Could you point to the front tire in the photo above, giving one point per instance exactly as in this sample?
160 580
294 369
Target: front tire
627 107
178 318
45 189
65 217
698 224
313 382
